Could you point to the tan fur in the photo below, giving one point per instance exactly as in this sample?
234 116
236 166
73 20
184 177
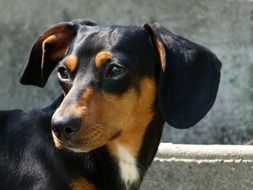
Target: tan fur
102 57
140 116
71 62
82 184
161 51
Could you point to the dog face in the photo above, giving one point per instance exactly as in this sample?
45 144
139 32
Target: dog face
109 83
114 78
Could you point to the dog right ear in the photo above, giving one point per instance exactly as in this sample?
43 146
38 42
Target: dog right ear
189 77
49 48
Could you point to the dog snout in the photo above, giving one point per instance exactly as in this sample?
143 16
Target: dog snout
64 127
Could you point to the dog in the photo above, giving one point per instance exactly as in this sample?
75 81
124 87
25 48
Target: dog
120 85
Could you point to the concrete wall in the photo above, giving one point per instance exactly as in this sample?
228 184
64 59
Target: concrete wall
201 167
225 26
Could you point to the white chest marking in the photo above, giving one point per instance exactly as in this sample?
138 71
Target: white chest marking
128 169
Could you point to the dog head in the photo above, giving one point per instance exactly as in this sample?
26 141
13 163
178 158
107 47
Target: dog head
115 77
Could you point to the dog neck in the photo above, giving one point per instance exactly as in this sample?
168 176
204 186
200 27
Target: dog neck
135 148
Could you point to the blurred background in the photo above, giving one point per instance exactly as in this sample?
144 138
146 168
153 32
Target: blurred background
224 26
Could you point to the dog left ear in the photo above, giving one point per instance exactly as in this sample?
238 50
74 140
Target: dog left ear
47 50
189 78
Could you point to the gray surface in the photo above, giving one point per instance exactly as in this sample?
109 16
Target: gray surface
224 26
181 167
180 175
205 152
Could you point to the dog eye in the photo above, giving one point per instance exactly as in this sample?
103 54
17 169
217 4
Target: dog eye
63 73
115 70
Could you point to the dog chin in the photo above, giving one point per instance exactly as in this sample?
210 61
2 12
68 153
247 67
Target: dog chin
82 149
77 150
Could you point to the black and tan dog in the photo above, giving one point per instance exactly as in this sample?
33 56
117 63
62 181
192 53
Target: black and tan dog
121 83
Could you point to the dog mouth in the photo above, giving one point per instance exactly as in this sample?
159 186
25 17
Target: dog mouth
82 145
79 146
75 147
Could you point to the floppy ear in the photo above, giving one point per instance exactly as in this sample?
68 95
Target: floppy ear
189 78
48 50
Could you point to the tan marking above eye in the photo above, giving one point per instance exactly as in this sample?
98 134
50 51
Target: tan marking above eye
71 62
102 57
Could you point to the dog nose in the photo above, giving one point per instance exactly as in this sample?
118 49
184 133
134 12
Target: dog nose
65 127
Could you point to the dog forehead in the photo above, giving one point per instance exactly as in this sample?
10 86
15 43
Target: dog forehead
128 45
98 38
